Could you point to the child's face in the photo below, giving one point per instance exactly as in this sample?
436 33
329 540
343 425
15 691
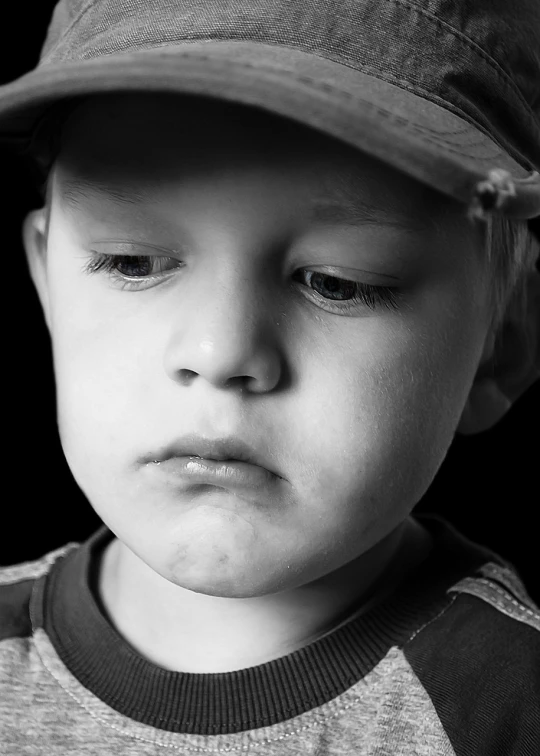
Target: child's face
353 405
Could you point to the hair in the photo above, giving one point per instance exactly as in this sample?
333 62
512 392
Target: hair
512 252
510 247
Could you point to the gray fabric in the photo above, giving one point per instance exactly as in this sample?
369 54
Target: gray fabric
44 710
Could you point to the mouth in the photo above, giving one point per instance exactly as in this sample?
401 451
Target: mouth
198 473
200 450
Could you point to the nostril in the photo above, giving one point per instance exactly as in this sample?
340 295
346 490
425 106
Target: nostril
186 376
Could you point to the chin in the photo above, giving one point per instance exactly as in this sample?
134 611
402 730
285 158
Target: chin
223 587
230 580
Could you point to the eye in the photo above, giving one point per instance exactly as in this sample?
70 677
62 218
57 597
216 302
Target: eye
132 271
140 266
341 294
331 287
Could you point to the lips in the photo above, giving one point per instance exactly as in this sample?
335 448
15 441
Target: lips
229 449
198 473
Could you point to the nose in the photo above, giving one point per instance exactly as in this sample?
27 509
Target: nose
225 333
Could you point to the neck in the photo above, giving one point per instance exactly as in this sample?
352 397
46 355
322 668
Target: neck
184 631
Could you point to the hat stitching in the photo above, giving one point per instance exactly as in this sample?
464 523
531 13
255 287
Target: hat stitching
423 133
403 83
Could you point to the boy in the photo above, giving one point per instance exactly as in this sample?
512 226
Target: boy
274 287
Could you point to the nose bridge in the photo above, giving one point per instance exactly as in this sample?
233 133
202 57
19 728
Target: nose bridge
231 309
223 329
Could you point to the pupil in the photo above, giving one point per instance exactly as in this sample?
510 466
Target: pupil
332 286
134 266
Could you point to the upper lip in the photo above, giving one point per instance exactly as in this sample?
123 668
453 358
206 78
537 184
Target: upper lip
229 448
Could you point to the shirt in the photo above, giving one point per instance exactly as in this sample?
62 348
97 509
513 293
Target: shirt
447 664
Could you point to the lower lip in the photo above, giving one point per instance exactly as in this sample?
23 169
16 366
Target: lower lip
223 473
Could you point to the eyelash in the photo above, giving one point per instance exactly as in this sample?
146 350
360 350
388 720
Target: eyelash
364 294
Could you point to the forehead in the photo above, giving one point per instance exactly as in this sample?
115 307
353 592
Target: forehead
108 141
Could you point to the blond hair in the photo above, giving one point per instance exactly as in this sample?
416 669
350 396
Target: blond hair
511 251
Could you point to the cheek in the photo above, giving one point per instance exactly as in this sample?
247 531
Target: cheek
102 364
381 414
103 390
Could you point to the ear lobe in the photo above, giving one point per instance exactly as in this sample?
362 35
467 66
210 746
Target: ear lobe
510 364
34 234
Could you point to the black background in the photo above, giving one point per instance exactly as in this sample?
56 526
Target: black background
487 486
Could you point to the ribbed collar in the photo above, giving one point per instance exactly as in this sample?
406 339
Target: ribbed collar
229 702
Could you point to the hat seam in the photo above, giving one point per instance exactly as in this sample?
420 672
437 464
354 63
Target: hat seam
76 19
421 92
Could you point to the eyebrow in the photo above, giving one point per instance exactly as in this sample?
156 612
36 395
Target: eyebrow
347 205
75 190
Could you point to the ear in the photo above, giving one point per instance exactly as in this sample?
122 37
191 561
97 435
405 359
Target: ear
34 234
510 363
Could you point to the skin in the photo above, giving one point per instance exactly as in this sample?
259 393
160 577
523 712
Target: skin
355 409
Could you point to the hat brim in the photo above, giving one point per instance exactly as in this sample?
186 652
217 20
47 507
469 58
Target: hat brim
406 130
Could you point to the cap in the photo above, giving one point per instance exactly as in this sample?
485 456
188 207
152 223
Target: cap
447 92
